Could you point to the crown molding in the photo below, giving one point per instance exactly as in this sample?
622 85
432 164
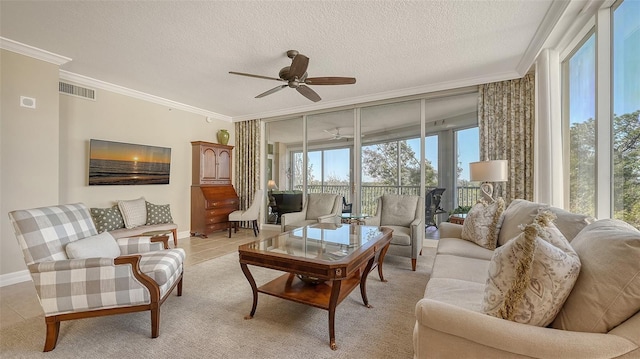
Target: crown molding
441 86
91 82
551 18
34 52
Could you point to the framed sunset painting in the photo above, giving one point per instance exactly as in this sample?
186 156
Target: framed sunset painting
116 163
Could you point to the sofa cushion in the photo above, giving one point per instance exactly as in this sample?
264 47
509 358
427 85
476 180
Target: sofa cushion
398 210
134 212
607 291
456 292
570 224
134 232
107 219
531 276
482 223
158 214
101 245
462 248
320 204
463 268
518 212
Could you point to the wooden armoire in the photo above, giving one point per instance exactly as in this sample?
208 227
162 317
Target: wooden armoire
212 195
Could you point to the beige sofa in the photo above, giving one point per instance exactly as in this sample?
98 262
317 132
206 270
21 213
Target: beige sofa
450 322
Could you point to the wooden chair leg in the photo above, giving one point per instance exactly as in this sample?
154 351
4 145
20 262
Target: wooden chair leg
255 228
413 264
175 237
180 287
255 221
229 225
155 320
237 227
53 328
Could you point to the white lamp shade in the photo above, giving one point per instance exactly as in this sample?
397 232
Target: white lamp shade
271 185
489 171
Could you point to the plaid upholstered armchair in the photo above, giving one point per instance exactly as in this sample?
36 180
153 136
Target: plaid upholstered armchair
79 273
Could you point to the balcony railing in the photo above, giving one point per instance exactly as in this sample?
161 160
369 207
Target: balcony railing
466 196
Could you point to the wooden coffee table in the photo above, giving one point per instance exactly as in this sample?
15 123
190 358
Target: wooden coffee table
324 263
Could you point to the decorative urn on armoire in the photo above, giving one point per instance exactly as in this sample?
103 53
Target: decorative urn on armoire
223 137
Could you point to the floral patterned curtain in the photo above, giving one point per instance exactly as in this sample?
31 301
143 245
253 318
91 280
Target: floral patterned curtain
247 162
506 124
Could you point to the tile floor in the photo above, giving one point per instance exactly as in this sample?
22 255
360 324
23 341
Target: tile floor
19 302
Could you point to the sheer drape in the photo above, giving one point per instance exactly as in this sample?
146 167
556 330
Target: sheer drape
506 125
247 162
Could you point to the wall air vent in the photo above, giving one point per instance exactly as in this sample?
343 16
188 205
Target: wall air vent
77 91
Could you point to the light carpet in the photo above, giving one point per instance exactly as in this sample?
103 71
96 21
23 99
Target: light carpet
207 321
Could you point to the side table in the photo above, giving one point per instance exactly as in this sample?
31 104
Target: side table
350 218
458 218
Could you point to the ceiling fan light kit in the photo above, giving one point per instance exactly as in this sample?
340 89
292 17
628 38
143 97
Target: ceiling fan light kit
295 77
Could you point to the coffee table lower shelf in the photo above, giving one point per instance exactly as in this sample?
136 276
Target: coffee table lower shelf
291 288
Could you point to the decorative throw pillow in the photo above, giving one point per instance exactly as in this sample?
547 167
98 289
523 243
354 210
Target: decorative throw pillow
519 212
134 212
482 223
570 224
607 291
101 245
158 214
107 219
531 276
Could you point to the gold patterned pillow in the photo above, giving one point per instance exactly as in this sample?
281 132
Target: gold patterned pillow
531 276
482 223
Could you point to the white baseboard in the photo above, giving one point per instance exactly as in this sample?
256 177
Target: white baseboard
185 234
15 277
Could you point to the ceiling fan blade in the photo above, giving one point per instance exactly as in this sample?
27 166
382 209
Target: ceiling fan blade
307 92
256 76
275 89
298 66
330 80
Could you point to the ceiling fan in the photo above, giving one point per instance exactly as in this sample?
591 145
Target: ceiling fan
337 135
295 77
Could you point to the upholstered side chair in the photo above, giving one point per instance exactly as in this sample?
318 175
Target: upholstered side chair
251 214
319 208
79 273
402 213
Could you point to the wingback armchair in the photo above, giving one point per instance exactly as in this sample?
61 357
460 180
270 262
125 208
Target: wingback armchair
79 273
402 214
319 208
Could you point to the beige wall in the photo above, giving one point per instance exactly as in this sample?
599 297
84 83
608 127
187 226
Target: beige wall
48 163
29 145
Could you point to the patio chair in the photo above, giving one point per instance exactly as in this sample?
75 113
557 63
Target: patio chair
250 214
346 207
319 208
79 273
432 207
402 213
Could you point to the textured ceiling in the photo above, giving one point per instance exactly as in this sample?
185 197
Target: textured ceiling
183 50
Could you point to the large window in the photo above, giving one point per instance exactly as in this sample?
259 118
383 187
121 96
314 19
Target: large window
580 80
467 151
601 110
626 112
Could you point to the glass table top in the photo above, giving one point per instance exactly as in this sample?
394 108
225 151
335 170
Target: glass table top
322 241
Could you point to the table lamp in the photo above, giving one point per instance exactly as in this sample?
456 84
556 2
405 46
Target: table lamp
489 171
271 185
